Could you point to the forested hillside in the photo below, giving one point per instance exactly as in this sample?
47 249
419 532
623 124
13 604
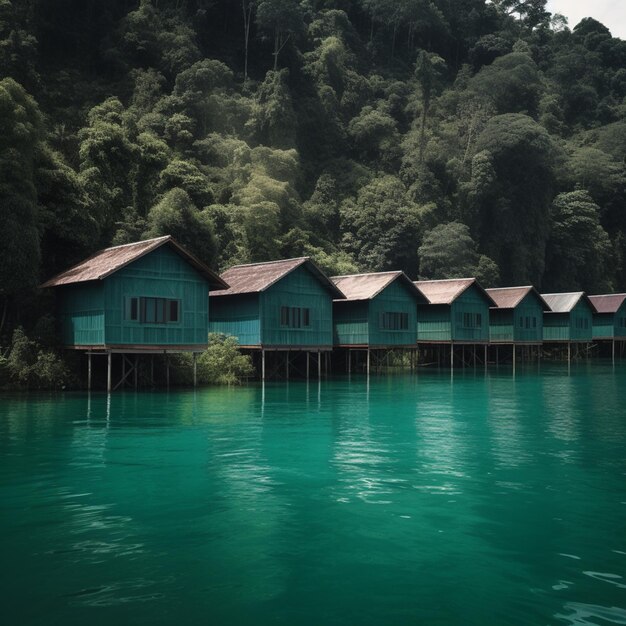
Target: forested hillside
442 137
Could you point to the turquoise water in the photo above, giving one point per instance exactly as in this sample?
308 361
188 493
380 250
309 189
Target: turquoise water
479 499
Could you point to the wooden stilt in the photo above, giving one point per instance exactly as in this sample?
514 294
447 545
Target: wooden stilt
612 353
136 376
569 352
349 361
167 370
123 370
319 365
308 357
152 369
485 355
287 366
368 361
89 369
451 356
109 364
514 357
195 369
262 364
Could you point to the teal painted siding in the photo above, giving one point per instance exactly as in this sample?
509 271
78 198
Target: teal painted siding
350 320
238 316
574 326
434 323
524 324
360 323
604 325
470 303
81 314
610 325
395 298
299 288
160 274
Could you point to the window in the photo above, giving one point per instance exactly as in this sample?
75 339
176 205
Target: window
472 320
153 310
294 317
133 313
534 322
394 321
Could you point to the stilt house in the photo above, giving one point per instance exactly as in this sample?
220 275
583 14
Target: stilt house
517 317
379 310
569 319
279 305
609 321
458 312
148 296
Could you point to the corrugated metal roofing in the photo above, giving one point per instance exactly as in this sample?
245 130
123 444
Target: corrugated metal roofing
368 286
110 260
609 303
447 291
510 297
564 302
257 277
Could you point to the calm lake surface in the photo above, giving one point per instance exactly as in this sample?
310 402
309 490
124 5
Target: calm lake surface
412 499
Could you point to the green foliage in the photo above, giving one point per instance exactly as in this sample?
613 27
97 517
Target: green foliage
448 251
21 137
579 248
381 226
176 215
29 365
222 363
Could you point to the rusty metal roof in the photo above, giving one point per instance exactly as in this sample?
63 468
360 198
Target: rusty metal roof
565 302
510 297
368 286
609 303
110 260
257 277
447 291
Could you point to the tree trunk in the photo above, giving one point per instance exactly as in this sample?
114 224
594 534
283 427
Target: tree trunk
247 18
423 131
276 48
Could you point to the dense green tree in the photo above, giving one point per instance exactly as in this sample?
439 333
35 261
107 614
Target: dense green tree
381 226
176 215
448 251
579 248
21 137
511 191
281 19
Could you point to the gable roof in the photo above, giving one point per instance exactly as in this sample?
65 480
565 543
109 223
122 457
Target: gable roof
258 277
368 286
110 260
609 303
510 297
447 291
565 302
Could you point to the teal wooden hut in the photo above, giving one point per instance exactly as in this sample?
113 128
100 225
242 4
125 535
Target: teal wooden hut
517 317
609 320
379 310
458 312
569 318
149 296
278 306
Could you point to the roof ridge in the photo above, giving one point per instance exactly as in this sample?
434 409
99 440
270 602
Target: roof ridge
297 258
503 288
607 295
134 243
367 274
444 280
